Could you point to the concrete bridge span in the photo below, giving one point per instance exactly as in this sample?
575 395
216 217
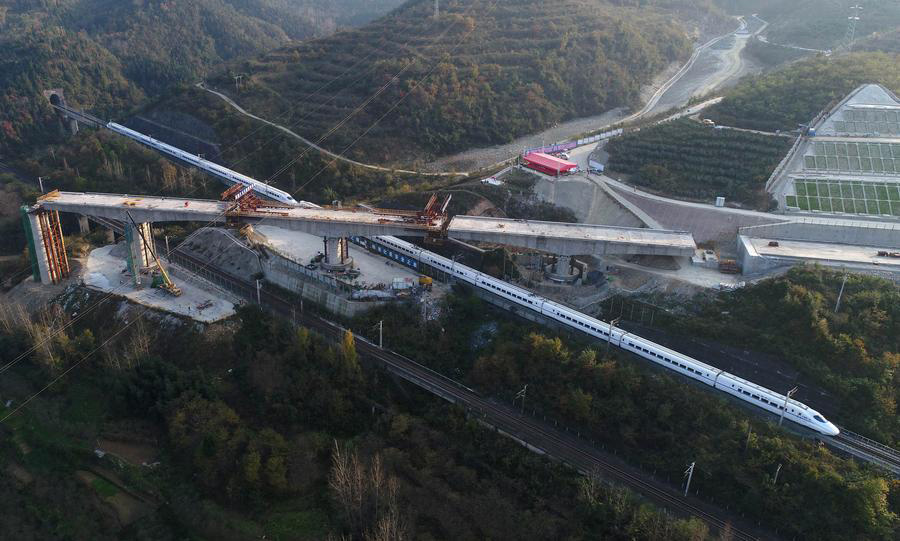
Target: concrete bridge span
569 239
45 236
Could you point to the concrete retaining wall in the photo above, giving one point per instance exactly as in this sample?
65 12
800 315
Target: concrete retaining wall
877 234
312 286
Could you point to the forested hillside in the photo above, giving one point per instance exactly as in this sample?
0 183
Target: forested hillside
484 72
260 430
854 352
108 55
796 93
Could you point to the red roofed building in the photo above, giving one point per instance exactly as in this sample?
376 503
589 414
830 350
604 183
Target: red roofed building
548 164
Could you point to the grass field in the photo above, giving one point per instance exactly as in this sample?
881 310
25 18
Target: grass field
846 197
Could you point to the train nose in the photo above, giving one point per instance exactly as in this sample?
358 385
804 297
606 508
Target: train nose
832 430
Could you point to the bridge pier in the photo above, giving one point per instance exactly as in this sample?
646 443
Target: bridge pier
84 225
139 256
337 254
563 270
47 249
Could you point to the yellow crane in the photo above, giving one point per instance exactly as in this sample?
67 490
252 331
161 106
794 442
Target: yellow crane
166 282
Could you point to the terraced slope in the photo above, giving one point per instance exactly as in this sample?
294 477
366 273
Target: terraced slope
485 72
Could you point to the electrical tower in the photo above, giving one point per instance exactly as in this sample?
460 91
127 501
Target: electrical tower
437 10
851 26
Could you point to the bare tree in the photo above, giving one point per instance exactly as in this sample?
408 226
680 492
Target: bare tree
589 488
726 533
368 496
389 526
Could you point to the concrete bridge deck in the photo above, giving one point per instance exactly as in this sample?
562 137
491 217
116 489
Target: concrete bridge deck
572 239
324 222
50 263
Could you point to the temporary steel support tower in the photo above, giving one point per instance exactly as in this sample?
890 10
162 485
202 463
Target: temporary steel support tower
851 27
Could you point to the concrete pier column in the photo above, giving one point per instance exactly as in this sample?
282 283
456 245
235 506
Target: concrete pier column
110 235
36 247
337 255
84 225
562 270
138 255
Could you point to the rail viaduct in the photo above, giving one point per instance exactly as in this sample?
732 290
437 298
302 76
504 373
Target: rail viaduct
50 265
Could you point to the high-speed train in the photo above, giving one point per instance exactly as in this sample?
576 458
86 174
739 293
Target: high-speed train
717 379
224 173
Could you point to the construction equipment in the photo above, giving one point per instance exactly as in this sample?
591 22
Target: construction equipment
729 266
426 282
162 280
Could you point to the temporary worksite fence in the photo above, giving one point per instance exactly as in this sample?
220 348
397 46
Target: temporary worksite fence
569 145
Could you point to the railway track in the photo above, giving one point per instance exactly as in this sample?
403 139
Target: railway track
876 452
533 433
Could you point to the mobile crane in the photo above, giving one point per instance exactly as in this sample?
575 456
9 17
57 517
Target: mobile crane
162 280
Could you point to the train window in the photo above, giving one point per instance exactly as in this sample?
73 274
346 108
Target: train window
756 397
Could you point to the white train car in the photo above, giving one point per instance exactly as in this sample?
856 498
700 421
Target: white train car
709 375
229 176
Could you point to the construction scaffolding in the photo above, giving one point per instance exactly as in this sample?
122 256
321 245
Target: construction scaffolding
46 245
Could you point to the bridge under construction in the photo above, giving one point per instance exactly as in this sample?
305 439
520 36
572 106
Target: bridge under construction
50 265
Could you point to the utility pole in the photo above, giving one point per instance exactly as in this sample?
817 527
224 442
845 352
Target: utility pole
437 10
168 251
521 394
784 408
777 471
837 305
689 473
41 183
612 326
381 334
258 299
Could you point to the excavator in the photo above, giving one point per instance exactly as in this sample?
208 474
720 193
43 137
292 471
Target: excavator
162 279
